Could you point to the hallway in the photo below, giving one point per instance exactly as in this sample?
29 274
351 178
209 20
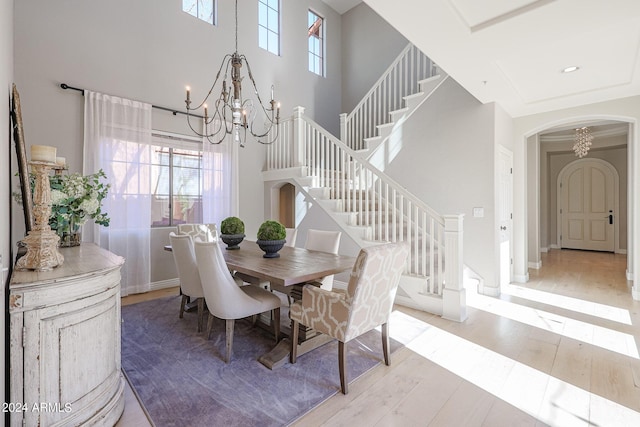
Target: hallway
559 350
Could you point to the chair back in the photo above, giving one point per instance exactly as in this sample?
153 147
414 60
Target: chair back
373 285
292 233
204 232
224 297
322 240
185 259
325 241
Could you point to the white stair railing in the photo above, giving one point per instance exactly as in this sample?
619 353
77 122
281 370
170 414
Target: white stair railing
385 208
386 95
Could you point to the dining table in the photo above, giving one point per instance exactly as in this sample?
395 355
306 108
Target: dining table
294 268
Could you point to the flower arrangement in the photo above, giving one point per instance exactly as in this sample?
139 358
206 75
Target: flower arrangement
75 199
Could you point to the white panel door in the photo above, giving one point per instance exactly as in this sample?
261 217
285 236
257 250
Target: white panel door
587 200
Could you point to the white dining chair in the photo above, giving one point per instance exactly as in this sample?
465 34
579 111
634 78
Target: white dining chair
292 233
190 285
324 241
204 232
225 300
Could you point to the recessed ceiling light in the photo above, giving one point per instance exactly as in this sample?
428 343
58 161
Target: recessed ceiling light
571 69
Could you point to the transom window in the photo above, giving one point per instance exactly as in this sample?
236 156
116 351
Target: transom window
201 9
316 43
269 25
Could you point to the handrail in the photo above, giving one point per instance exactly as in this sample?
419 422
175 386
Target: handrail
387 94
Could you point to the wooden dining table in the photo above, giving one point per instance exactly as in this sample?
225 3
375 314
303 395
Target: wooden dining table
288 273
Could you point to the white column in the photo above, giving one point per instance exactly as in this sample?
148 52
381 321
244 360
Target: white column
299 136
454 297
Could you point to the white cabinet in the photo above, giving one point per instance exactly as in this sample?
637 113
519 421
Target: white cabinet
65 341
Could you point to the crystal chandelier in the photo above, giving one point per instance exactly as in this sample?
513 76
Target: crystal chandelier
231 113
582 141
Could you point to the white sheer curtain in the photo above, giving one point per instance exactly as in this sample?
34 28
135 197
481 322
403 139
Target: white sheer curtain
117 139
220 180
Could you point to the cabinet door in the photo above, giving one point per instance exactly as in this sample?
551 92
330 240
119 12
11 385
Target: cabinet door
72 358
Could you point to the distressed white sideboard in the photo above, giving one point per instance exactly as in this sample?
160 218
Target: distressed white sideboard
65 341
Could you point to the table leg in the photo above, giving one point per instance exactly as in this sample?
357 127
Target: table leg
308 339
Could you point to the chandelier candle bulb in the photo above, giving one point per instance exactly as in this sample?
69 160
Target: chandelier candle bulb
188 94
43 153
206 112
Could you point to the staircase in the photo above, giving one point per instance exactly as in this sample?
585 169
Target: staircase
369 206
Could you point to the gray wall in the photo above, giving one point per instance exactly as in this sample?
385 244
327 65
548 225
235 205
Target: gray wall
369 46
6 78
149 50
453 128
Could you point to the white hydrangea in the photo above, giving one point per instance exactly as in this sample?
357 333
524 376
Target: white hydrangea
90 206
57 197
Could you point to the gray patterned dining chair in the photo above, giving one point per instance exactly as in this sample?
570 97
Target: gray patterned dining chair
365 305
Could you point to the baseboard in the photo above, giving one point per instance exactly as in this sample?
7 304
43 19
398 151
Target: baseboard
635 293
629 275
544 250
554 247
621 251
535 265
521 278
164 284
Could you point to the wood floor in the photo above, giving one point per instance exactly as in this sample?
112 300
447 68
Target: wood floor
560 350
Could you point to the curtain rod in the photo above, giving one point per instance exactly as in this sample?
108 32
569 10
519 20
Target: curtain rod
171 110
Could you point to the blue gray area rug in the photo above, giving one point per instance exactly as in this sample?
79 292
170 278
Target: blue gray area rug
182 380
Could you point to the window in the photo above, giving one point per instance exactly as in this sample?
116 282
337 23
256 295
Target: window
176 179
201 9
316 43
269 25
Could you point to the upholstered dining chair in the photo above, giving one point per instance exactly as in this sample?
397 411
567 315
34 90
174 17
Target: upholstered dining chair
292 233
225 300
204 232
324 241
190 285
366 304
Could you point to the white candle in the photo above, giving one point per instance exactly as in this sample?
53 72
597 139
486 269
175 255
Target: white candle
61 161
43 153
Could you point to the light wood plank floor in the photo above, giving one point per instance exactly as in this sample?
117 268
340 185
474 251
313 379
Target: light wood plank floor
559 350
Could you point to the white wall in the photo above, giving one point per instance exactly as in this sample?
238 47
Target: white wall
369 46
6 148
624 109
149 50
445 156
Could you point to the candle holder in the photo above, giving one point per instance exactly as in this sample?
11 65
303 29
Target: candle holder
41 242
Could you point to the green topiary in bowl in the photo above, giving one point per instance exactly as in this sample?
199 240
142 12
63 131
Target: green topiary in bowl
271 230
232 232
232 225
271 238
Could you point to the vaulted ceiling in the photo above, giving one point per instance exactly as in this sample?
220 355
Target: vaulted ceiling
513 51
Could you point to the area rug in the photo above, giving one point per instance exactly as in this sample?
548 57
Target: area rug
182 380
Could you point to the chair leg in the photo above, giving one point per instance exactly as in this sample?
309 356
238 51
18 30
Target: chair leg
342 361
183 303
385 343
200 313
293 354
276 323
230 323
209 325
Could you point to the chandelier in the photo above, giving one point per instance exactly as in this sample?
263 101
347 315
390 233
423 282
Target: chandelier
231 113
582 141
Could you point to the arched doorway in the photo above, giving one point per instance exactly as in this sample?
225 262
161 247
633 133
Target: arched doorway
287 205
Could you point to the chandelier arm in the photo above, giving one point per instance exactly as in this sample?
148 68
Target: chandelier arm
255 87
225 60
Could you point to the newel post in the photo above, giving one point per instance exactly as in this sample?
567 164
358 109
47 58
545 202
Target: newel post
343 127
454 297
299 136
